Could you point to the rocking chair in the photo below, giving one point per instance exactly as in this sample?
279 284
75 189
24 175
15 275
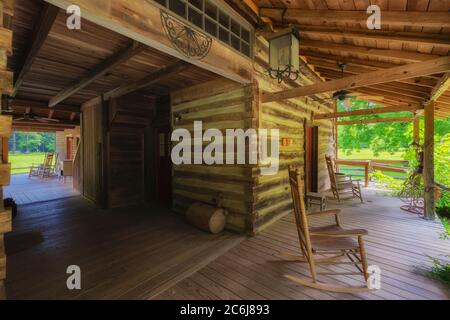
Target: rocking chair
44 169
325 245
342 184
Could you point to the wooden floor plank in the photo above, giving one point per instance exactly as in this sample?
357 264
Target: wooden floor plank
117 250
398 243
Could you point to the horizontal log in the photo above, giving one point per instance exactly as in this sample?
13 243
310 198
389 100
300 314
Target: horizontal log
5 126
5 174
6 40
5 221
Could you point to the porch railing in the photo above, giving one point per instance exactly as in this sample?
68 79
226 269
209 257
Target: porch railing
364 167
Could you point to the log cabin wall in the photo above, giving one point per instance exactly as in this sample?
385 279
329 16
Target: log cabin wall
129 116
6 87
272 197
220 104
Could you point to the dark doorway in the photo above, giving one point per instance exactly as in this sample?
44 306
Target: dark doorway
311 163
163 164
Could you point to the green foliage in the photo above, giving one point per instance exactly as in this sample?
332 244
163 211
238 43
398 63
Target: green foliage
440 271
21 162
391 184
26 142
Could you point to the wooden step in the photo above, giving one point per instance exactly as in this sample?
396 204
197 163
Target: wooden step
5 126
5 221
5 174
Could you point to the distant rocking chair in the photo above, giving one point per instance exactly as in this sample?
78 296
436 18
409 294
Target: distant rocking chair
342 184
42 170
325 245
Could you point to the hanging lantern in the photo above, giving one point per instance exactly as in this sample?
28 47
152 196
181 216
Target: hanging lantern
284 55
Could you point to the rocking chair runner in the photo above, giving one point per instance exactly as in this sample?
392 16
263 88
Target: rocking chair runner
342 183
325 245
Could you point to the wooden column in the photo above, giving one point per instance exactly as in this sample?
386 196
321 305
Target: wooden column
428 172
6 11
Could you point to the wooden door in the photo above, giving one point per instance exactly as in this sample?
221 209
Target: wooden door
163 165
69 148
312 158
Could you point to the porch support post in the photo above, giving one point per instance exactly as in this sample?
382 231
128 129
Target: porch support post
428 172
416 130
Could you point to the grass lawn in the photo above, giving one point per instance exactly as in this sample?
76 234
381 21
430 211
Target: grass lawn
21 162
367 154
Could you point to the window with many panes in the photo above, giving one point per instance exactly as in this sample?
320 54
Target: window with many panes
216 21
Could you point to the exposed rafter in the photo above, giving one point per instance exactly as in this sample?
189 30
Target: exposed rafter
97 72
156 76
412 70
18 103
407 56
365 112
42 28
442 86
392 18
379 120
391 36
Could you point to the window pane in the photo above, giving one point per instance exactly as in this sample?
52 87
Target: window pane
245 48
224 35
195 17
211 27
197 3
235 42
211 10
224 19
245 34
178 7
235 28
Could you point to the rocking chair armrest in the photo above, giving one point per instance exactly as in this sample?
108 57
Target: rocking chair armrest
333 212
341 233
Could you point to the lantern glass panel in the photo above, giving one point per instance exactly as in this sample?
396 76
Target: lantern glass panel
280 52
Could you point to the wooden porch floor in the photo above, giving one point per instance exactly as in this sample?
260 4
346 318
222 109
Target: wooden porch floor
398 243
24 190
132 253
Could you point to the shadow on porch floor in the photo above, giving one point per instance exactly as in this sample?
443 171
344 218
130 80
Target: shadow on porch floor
131 253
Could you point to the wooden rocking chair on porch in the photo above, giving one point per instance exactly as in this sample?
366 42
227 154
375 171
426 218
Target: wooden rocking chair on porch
44 169
342 184
325 245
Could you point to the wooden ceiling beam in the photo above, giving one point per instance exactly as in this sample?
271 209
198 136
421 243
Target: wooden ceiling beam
398 37
379 120
160 74
412 70
441 87
365 112
409 86
41 30
426 81
19 103
98 71
407 56
392 18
